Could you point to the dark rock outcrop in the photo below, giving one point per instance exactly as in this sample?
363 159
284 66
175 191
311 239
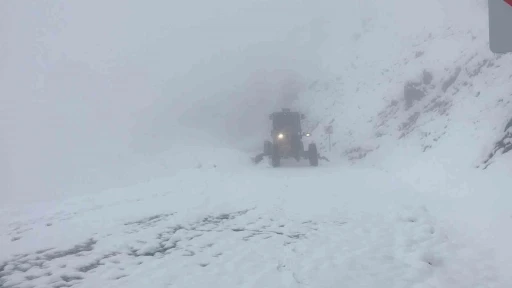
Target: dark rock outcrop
503 146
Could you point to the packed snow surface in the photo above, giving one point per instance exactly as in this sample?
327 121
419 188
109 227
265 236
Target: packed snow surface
238 225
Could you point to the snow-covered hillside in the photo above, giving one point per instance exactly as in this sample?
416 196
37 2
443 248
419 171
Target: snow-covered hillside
416 192
434 80
428 102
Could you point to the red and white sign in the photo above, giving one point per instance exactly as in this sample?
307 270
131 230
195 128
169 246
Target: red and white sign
328 129
500 21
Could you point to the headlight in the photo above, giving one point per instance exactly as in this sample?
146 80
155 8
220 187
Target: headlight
280 136
307 134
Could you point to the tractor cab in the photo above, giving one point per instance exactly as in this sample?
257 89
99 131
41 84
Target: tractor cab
286 122
287 136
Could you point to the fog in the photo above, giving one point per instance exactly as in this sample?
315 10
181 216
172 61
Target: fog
86 87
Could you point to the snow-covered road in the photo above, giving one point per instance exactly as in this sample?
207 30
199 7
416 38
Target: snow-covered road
241 227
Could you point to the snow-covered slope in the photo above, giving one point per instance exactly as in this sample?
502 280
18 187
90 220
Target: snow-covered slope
425 79
428 102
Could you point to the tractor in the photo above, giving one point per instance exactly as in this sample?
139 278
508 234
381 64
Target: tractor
287 134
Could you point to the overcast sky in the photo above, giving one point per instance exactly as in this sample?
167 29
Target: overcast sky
84 84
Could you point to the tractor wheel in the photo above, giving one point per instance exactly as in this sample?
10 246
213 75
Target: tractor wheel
313 155
300 151
301 148
276 158
267 148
